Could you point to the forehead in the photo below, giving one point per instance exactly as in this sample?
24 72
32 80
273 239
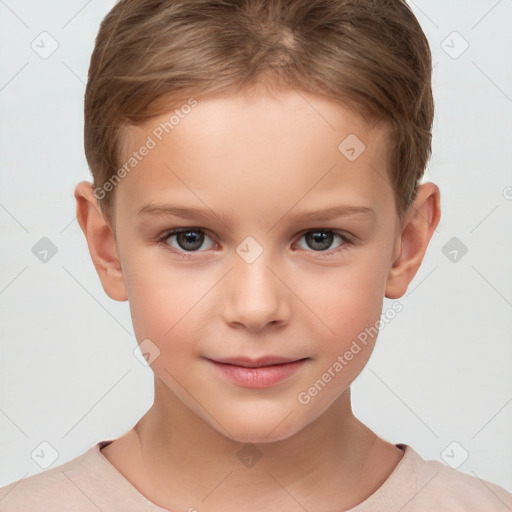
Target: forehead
257 150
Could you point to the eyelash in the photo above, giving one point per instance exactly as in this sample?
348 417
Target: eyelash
346 242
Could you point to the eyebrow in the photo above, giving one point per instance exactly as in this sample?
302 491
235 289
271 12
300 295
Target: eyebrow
335 212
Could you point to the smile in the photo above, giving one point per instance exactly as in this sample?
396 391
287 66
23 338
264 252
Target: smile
261 374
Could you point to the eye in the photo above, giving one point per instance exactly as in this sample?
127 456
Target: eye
190 240
186 239
320 240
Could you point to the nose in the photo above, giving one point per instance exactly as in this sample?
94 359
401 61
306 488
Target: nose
255 295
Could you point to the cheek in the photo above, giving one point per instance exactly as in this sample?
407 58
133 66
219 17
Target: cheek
346 299
162 301
349 304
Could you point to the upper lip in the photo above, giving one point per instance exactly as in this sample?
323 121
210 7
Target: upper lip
247 362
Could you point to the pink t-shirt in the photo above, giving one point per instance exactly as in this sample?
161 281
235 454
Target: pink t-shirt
90 483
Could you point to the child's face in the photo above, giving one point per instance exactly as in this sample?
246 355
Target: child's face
256 282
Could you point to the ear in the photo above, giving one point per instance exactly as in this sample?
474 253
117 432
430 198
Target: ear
418 227
101 241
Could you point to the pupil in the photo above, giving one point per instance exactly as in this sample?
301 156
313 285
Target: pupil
190 237
325 239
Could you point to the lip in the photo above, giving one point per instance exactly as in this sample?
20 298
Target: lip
247 362
257 373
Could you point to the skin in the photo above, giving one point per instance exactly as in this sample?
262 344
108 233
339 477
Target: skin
260 158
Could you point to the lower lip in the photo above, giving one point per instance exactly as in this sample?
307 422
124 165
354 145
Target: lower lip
261 377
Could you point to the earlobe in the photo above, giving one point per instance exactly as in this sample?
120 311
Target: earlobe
419 226
101 242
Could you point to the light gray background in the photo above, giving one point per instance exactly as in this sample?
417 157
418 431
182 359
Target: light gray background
441 371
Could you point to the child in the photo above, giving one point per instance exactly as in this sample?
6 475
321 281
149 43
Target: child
229 141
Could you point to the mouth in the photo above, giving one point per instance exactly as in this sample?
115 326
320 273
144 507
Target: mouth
247 362
257 373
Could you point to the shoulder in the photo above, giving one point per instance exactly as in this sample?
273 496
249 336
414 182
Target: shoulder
63 487
418 485
448 489
436 486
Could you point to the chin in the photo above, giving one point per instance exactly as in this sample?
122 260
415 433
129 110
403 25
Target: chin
259 427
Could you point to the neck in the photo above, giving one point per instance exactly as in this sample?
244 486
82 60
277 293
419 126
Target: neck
183 462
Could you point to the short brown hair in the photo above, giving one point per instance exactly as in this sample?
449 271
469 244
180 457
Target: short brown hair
370 55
